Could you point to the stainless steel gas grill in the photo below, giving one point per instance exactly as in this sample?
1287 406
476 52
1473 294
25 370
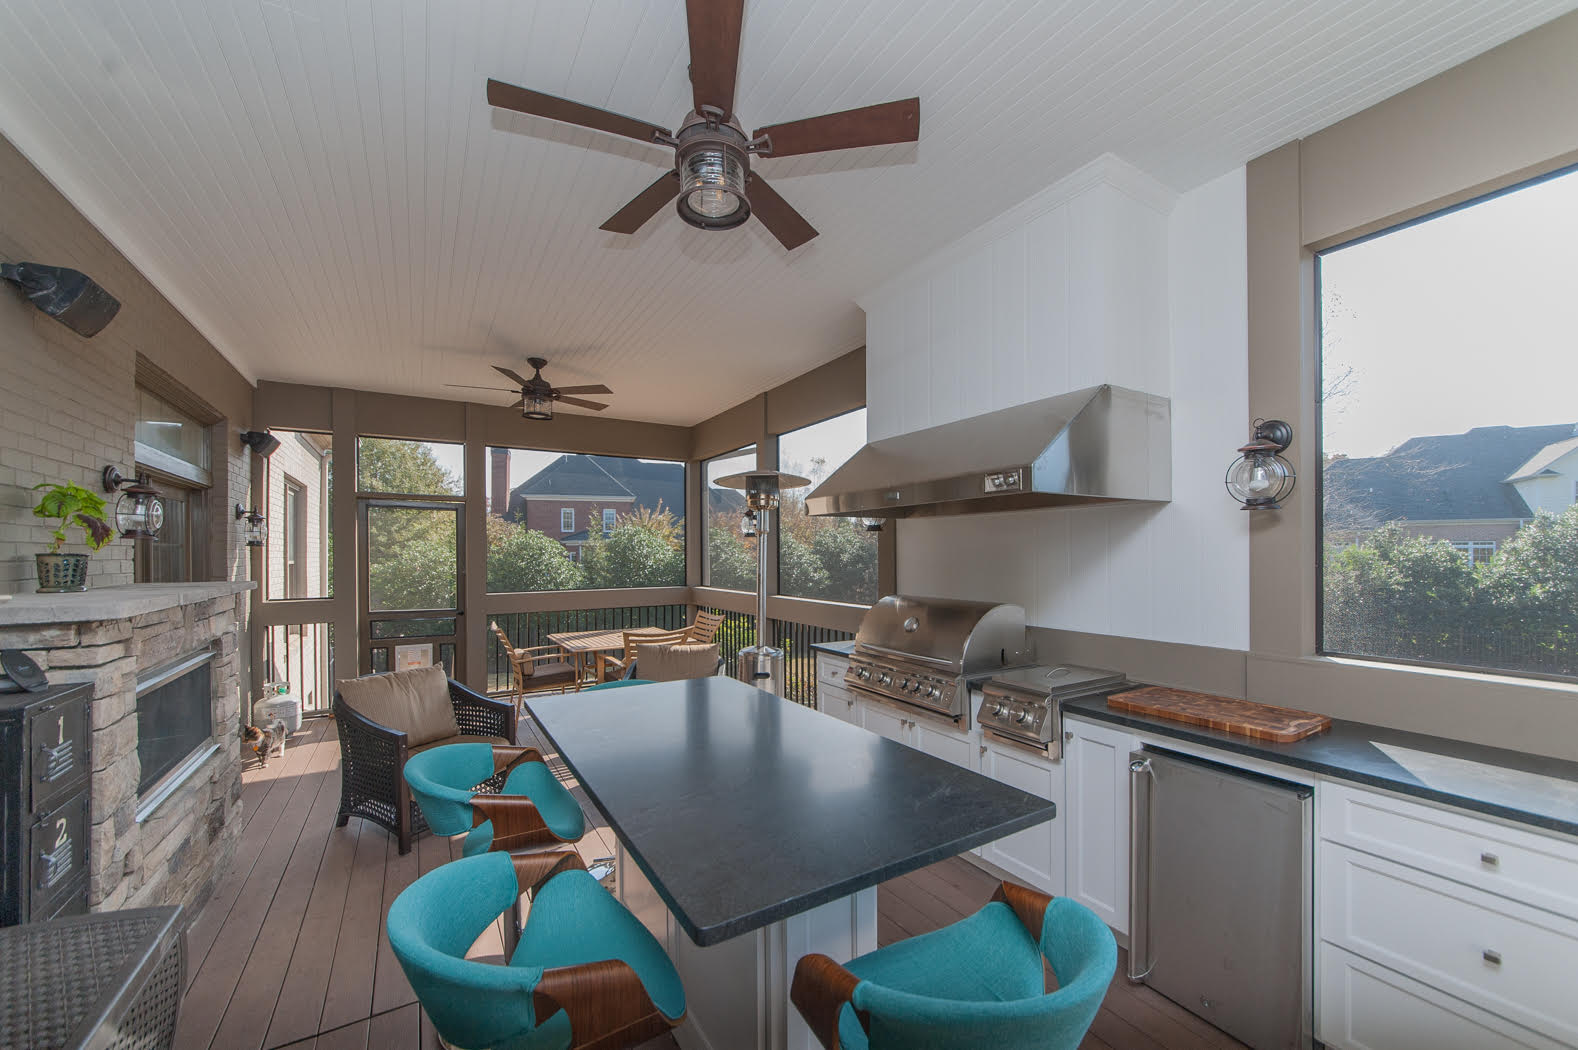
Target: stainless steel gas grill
1024 705
925 653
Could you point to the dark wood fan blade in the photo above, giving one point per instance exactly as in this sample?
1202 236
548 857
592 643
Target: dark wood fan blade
594 389
509 374
525 100
788 225
646 204
578 403
497 389
870 126
714 51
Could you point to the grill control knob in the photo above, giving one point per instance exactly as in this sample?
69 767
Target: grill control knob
884 678
931 690
1000 710
915 686
904 684
863 673
1024 716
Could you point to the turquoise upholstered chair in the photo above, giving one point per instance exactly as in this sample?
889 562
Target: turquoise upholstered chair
531 809
586 972
977 983
618 683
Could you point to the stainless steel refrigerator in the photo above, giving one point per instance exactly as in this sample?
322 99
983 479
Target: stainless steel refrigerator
1220 895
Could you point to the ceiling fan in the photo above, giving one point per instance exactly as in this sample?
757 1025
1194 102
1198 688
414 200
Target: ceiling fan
537 395
712 176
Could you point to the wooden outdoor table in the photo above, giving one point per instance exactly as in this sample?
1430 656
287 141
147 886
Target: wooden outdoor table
581 644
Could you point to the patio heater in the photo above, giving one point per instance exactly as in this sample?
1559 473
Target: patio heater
761 665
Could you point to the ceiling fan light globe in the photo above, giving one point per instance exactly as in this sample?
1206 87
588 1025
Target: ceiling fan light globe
537 407
712 188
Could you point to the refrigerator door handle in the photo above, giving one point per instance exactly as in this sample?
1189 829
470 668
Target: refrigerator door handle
1142 780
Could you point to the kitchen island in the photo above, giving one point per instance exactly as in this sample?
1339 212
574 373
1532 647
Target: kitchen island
752 831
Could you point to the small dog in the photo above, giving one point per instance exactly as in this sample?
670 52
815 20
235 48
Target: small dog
263 740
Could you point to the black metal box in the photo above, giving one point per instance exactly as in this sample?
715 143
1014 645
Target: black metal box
45 803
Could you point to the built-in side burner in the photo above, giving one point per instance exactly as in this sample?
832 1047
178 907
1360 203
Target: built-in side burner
1024 705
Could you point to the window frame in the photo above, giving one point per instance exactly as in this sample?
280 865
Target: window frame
294 554
1316 645
610 519
566 520
778 588
705 575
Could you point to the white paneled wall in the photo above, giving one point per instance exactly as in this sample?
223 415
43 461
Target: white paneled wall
1099 279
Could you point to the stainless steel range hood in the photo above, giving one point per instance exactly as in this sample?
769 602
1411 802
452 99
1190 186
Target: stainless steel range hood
1103 444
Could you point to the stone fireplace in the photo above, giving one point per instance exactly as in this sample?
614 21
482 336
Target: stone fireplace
165 665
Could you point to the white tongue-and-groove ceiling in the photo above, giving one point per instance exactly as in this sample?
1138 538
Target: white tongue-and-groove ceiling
322 189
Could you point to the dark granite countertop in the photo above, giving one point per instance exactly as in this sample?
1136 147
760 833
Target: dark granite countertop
743 809
843 648
1530 789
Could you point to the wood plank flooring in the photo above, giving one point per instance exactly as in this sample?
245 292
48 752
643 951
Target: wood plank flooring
290 950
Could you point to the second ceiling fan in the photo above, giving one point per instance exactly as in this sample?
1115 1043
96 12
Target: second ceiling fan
712 176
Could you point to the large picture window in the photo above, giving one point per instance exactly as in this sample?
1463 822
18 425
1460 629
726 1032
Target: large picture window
561 521
831 558
1450 438
731 556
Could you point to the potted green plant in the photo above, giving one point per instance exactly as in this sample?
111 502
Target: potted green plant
70 505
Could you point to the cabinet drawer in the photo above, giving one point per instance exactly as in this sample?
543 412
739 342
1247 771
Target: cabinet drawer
57 735
1507 958
58 848
840 703
831 669
1525 866
1368 1007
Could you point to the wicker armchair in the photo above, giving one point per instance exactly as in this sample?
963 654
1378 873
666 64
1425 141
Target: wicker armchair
373 757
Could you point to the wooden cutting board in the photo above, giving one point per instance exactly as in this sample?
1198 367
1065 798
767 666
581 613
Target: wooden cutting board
1280 725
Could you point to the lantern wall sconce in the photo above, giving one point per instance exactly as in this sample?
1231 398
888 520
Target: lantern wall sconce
1260 478
254 527
139 512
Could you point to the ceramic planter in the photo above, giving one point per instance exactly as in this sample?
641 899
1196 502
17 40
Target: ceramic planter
58 573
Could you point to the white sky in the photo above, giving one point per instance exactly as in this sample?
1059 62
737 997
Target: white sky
1467 320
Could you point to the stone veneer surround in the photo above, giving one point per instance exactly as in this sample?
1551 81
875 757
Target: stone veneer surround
109 636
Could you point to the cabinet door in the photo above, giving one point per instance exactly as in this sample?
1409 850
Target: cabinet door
885 721
838 702
1034 855
1096 768
940 741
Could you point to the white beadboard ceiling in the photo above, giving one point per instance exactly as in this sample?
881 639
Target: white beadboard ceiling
321 187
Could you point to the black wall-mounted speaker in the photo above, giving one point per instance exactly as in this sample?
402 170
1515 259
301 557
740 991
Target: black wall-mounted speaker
260 441
69 296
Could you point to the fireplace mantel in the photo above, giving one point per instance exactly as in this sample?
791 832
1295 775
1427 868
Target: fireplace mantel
112 603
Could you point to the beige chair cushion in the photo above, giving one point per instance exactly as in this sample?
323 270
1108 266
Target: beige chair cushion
415 702
463 738
670 663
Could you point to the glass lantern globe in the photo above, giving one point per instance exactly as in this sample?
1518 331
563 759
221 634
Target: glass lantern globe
537 406
1260 479
254 527
712 188
139 512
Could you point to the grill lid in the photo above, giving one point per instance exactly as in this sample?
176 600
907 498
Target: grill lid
965 638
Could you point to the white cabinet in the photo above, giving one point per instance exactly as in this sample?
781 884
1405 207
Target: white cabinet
1435 921
1035 855
1096 772
885 721
838 702
944 742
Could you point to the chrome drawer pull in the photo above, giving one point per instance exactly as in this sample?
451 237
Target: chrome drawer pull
1490 860
1491 956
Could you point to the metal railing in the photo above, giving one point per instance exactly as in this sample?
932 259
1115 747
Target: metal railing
302 656
795 639
529 629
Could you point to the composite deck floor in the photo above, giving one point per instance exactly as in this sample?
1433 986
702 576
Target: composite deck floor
290 950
